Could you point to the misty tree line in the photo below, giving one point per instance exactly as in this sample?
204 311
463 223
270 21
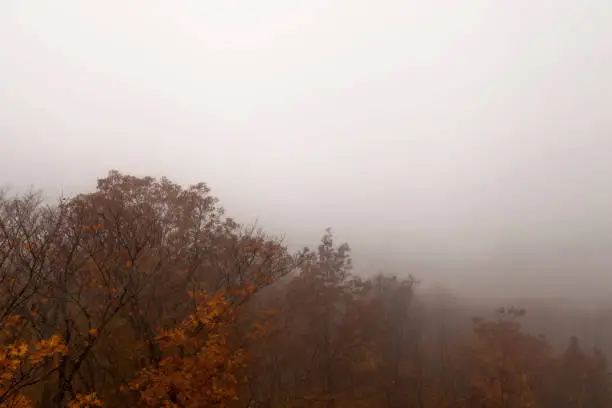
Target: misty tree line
144 293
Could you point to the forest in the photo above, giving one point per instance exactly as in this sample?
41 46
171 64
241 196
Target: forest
144 293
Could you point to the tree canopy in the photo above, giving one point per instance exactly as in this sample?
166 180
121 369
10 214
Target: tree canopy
145 293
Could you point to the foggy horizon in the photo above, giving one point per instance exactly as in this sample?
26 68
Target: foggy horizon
466 143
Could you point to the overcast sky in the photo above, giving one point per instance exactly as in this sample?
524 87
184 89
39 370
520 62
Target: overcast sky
471 134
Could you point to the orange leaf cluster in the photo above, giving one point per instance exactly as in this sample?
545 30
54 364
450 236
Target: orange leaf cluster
85 401
200 367
20 361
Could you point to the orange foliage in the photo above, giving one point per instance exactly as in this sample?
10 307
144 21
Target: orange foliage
110 269
23 364
201 366
85 401
505 363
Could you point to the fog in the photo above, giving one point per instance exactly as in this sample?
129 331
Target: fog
468 143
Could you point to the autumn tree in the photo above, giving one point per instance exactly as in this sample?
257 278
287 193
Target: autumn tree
144 293
392 325
152 245
506 367
200 365
110 268
29 232
583 380
23 363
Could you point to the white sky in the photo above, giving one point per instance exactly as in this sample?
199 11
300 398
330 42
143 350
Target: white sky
474 132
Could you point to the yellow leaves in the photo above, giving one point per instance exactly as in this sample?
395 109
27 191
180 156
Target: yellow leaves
205 371
500 357
53 345
85 401
210 308
171 338
193 319
21 360
19 351
128 264
10 361
48 348
92 227
93 332
17 401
